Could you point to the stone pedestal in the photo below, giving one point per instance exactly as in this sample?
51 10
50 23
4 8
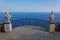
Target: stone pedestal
51 27
7 27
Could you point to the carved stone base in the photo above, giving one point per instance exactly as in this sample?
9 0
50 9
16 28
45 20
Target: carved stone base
8 27
51 27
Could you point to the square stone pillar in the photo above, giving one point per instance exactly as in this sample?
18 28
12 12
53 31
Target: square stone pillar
52 27
7 27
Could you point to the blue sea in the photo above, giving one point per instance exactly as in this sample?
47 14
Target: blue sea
30 18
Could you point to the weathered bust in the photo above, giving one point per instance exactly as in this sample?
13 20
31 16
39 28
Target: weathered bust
7 16
52 17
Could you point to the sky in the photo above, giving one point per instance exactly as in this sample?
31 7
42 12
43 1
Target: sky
30 5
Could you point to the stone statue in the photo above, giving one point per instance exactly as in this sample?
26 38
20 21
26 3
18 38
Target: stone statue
52 17
7 16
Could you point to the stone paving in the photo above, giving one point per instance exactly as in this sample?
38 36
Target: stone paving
29 33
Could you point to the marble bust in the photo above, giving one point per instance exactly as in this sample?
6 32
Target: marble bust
8 17
52 16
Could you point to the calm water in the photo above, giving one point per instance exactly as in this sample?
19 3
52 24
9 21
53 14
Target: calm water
30 18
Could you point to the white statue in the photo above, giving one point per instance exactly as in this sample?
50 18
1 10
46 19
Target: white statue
8 25
7 16
52 17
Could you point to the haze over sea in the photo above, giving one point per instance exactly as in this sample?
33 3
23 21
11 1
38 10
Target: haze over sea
30 18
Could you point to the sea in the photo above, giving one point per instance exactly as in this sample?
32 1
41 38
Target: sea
40 19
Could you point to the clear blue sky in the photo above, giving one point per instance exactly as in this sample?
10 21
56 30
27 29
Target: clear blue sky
30 5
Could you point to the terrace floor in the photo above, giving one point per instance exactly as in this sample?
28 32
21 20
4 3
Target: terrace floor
29 33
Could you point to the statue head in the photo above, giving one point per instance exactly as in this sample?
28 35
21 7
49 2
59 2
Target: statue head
8 17
52 13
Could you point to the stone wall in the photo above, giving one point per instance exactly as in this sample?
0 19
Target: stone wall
1 27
